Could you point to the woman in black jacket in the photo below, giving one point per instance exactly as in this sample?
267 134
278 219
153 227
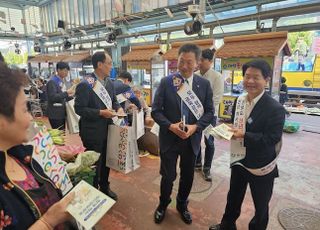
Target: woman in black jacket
28 199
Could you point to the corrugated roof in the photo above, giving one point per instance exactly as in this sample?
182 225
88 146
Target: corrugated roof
255 45
39 58
78 57
142 53
172 54
66 57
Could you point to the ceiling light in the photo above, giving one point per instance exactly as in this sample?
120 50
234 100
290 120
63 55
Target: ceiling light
67 44
192 27
111 37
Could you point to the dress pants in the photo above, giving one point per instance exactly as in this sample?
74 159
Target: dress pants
102 172
58 123
261 191
168 172
209 153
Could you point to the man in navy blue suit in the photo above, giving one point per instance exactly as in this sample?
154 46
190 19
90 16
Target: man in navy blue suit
176 138
95 117
263 119
58 95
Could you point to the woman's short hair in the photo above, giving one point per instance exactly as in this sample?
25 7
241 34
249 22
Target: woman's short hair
11 82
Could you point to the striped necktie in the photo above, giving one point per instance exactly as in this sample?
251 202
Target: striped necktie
185 109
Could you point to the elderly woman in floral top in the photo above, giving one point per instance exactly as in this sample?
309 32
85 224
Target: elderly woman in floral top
28 199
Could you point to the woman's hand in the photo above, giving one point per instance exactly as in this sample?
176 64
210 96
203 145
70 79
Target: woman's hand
57 213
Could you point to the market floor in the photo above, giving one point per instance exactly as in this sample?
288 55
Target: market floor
297 186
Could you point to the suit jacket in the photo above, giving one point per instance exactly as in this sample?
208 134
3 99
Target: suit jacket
93 127
56 100
120 87
263 132
166 110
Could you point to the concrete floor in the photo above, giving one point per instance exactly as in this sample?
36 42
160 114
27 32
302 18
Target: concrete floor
297 186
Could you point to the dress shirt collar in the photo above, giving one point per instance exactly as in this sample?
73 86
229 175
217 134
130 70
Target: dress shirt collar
103 82
190 80
256 99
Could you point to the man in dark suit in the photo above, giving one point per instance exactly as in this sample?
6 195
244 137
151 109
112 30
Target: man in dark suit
264 119
57 97
122 87
95 117
168 110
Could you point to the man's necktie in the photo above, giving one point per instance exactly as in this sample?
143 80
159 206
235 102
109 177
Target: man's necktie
185 109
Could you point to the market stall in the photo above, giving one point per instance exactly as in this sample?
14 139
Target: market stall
146 65
44 64
237 50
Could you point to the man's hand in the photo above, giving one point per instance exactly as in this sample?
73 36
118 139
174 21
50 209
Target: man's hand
70 92
133 106
106 113
120 111
237 133
191 129
175 128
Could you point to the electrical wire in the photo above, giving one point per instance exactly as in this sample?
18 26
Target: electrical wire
214 14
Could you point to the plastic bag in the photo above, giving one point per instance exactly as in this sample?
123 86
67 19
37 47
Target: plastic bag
291 127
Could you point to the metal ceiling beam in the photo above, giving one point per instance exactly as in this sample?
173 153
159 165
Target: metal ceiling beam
9 4
179 12
159 15
297 10
20 2
293 28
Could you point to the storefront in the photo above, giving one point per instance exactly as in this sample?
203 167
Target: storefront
146 65
44 64
238 50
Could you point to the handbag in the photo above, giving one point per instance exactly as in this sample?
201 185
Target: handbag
72 118
122 149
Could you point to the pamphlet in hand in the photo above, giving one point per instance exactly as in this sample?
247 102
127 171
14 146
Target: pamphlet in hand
89 204
119 114
222 131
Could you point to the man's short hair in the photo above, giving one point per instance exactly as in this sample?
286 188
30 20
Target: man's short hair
258 64
207 54
62 65
125 75
98 57
187 48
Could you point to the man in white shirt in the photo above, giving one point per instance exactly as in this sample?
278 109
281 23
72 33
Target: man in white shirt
216 82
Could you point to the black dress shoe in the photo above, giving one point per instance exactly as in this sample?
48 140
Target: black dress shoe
109 192
207 175
222 227
185 214
198 166
215 227
159 214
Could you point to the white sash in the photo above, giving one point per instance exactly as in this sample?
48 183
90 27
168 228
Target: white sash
104 96
237 149
191 100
